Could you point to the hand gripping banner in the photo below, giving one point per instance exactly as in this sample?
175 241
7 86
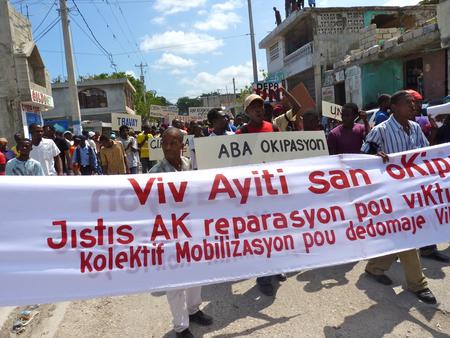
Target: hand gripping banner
68 238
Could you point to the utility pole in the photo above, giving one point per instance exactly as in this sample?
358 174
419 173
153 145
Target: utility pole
252 41
142 78
73 91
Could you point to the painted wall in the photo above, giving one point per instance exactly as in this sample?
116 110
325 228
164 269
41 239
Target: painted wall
378 78
434 81
369 15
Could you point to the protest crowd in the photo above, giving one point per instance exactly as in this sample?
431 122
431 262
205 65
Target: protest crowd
400 124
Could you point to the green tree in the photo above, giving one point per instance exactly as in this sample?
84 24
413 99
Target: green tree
185 102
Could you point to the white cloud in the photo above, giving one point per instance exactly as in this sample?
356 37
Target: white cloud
221 16
181 42
132 73
229 5
169 60
167 7
177 71
205 82
159 20
219 21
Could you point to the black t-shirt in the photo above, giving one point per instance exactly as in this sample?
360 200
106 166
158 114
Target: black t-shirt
443 134
63 146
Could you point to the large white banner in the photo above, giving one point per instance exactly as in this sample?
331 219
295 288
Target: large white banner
114 235
233 150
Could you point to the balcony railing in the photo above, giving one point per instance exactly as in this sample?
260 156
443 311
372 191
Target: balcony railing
300 53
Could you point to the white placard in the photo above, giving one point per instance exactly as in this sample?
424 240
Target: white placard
132 121
332 110
233 150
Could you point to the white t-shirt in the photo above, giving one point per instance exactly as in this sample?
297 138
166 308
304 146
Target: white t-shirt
132 156
44 154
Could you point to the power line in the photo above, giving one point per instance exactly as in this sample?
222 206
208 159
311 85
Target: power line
45 17
50 27
129 29
113 65
104 53
118 23
114 35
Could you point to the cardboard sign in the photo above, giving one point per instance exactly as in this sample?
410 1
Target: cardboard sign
269 91
199 113
303 97
233 150
132 121
332 110
156 152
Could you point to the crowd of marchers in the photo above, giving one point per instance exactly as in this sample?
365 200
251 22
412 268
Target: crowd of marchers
400 124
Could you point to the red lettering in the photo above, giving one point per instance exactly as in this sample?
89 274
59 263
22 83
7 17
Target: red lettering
218 180
142 195
159 229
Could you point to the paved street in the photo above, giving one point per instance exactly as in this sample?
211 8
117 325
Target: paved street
330 302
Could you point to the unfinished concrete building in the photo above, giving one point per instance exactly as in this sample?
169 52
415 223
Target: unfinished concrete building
307 45
25 89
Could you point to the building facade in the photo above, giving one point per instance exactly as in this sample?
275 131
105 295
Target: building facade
306 46
100 101
25 90
390 59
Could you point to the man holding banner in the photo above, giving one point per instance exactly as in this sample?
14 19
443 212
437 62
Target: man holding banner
185 303
394 135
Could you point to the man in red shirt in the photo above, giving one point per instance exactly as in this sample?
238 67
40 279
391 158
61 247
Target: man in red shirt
254 108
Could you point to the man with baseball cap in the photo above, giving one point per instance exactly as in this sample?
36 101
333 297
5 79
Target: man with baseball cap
417 116
254 108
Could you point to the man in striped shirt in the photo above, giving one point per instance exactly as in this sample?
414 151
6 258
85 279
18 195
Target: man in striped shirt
394 135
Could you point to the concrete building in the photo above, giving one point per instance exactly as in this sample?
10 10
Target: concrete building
443 13
391 58
99 101
25 90
308 43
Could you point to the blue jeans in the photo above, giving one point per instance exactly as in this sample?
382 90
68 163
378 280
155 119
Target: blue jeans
133 170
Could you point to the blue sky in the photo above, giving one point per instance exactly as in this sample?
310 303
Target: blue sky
190 46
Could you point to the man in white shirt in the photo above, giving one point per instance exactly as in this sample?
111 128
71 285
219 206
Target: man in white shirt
45 152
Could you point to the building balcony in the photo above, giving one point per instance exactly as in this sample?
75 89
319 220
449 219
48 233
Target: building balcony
299 60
